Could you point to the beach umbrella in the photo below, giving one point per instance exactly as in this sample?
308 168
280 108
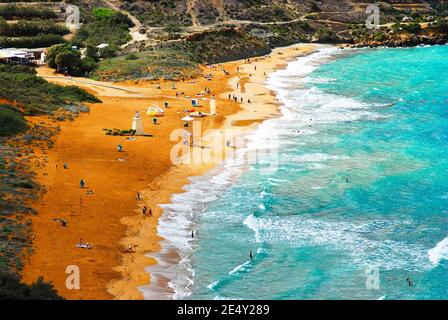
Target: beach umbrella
155 112
187 119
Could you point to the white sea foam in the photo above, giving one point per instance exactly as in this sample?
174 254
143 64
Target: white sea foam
349 237
439 252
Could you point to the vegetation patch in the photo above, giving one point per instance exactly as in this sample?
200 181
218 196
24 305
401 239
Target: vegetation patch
104 25
11 288
12 121
16 12
153 64
35 95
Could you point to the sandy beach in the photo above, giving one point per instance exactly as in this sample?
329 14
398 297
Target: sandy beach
111 218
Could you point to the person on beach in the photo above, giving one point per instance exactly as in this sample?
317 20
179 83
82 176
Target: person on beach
192 233
150 212
251 255
82 184
120 147
144 210
248 101
138 196
230 96
166 104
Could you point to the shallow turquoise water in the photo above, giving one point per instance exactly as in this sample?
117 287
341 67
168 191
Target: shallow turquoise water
362 181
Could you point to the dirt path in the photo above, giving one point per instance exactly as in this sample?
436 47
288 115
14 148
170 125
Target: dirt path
191 11
134 31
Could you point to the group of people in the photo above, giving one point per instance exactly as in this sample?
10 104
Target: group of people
235 98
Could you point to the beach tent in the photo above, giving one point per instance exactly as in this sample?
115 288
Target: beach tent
155 112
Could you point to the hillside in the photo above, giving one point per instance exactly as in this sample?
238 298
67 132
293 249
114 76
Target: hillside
279 22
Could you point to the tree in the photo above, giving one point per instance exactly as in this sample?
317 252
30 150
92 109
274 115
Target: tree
63 57
11 288
67 60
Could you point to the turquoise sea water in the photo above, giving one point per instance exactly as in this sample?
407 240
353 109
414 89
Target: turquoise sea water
362 182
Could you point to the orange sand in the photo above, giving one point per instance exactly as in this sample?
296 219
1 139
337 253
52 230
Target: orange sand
111 219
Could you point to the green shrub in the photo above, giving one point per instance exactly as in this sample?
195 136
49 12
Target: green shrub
11 121
11 288
14 11
39 41
35 94
31 28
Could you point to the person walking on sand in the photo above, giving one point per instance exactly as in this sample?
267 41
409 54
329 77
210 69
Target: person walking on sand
82 184
192 233
166 104
138 196
120 147
150 212
144 210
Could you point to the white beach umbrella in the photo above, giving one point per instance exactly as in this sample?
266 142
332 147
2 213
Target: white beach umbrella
187 118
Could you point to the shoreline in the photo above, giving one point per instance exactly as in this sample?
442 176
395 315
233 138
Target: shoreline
166 256
103 218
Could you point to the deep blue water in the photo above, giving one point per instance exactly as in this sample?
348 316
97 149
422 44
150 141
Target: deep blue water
362 182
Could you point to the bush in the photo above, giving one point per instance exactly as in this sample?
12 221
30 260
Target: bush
11 121
35 95
39 41
11 288
106 26
13 11
31 28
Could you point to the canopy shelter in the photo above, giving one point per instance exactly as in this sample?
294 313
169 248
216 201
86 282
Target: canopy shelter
155 112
